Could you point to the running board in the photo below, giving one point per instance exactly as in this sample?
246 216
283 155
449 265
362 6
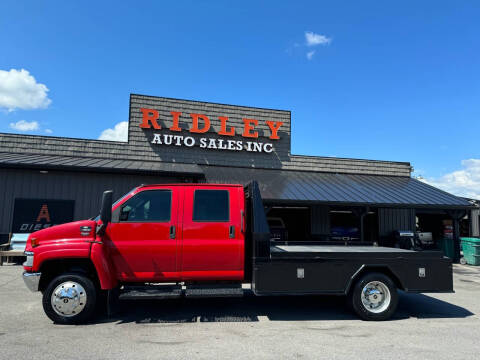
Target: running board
150 292
202 291
146 292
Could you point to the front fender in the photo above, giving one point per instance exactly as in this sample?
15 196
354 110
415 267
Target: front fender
69 248
80 249
104 267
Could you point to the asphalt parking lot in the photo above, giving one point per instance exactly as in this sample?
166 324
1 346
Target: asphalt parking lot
432 326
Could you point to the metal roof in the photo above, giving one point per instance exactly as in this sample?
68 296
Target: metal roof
340 189
285 186
56 162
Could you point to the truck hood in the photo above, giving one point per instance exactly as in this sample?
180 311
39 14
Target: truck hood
84 229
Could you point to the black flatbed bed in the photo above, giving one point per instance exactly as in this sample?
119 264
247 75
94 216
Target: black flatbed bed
302 268
347 252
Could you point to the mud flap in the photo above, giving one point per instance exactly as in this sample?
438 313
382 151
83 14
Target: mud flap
113 304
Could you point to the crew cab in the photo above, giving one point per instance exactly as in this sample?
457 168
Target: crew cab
163 241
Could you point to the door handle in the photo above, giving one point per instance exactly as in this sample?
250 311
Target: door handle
232 232
172 232
242 219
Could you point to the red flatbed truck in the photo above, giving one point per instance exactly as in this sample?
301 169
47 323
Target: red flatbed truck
164 241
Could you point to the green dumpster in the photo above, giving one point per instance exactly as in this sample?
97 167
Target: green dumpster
447 246
471 250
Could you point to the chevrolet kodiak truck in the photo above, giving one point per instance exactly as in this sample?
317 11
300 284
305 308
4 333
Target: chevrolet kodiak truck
199 240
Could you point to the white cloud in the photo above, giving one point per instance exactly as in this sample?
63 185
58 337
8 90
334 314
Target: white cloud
20 90
48 131
23 125
310 54
118 133
464 182
313 39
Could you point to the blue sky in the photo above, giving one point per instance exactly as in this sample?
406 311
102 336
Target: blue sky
389 81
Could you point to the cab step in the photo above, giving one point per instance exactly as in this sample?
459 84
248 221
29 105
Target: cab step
214 290
150 292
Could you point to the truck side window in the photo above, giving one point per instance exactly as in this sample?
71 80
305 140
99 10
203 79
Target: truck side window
148 206
211 205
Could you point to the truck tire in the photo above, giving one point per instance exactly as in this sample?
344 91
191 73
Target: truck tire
70 299
374 297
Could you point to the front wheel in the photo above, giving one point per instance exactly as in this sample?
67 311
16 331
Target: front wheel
374 297
70 299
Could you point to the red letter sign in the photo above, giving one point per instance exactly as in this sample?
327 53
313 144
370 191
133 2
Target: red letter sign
223 127
195 128
43 214
274 126
248 128
176 116
150 116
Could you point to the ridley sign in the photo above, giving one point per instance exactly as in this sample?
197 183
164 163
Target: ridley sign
201 125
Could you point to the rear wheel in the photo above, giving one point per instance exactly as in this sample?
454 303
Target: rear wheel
70 299
374 297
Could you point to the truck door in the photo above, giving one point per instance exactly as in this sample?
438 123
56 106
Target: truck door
143 235
212 239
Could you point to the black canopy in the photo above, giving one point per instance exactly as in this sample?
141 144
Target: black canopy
286 186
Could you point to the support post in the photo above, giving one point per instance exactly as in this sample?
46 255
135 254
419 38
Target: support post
362 236
456 240
456 216
474 222
361 212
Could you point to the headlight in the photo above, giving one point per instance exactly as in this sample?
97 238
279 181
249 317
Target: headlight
29 255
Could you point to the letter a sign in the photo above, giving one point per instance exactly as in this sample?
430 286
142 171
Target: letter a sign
31 215
43 214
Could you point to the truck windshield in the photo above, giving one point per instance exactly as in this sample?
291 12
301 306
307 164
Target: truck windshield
96 218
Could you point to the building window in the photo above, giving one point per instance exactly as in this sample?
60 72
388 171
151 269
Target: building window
148 206
211 205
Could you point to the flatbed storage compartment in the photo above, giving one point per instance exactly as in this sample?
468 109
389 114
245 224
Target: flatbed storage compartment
325 269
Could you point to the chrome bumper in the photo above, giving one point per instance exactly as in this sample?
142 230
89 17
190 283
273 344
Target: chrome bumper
32 280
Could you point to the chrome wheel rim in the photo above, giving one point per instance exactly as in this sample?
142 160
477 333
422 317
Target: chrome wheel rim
68 299
376 297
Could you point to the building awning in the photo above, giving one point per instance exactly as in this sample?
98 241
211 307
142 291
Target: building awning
285 186
56 162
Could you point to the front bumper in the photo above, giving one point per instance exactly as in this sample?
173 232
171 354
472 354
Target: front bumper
32 280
